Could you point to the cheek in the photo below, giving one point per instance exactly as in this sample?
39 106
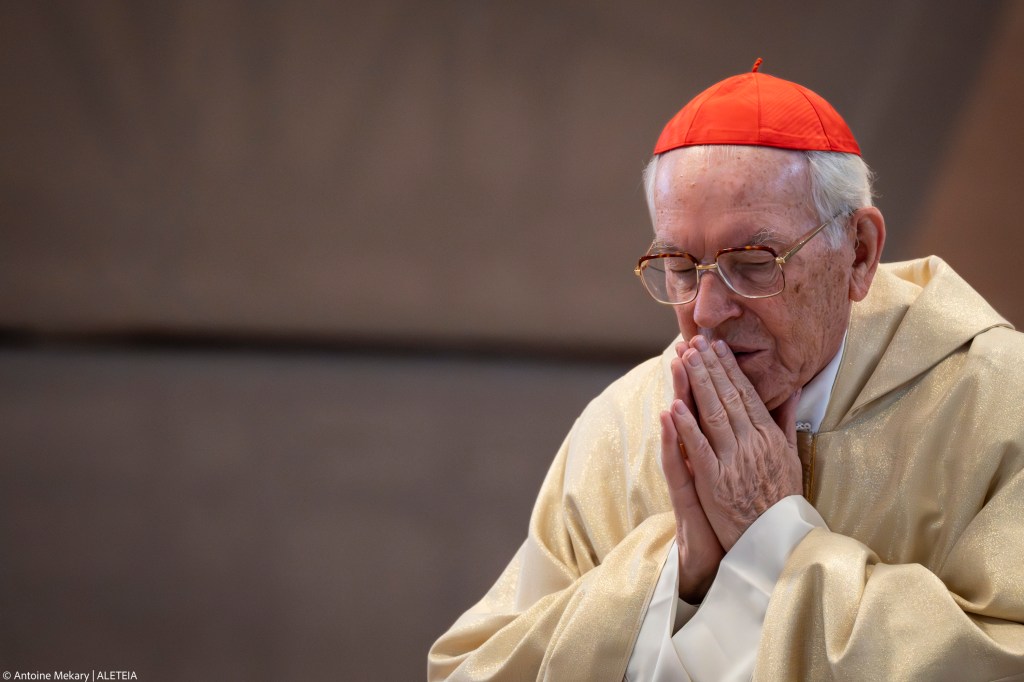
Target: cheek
833 299
789 333
819 313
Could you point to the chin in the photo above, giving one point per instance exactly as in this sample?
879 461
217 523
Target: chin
776 400
772 388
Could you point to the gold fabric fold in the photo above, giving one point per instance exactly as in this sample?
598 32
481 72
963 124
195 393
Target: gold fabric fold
805 448
918 471
570 604
921 482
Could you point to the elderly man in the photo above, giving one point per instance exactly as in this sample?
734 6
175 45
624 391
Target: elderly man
823 477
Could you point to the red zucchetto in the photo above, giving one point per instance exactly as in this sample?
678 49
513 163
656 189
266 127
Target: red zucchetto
757 109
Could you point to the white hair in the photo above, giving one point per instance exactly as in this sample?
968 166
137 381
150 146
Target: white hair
840 184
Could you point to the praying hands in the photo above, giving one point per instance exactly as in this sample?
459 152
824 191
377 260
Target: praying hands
726 458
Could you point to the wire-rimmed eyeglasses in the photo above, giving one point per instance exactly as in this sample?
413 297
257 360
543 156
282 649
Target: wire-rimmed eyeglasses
750 271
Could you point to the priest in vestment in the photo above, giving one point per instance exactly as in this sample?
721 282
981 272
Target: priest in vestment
821 477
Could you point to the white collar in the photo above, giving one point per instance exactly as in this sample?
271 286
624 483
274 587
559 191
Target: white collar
814 399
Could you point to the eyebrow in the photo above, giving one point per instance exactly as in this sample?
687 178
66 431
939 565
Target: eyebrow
759 238
661 246
763 236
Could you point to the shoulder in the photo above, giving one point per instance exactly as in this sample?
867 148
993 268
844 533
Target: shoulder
645 387
993 368
973 400
998 349
639 382
614 446
992 364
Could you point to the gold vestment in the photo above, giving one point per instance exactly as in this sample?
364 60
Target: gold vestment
918 471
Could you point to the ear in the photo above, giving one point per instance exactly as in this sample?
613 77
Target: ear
869 231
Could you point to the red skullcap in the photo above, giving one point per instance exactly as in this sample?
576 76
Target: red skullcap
758 109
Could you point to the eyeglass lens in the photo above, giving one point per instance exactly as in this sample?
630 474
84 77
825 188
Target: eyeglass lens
751 272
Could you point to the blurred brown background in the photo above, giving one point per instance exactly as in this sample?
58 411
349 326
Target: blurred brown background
297 301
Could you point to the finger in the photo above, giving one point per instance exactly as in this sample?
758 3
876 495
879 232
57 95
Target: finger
680 482
702 458
680 384
728 394
713 416
756 410
699 549
707 467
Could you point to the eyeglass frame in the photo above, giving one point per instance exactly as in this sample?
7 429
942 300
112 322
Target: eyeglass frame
713 266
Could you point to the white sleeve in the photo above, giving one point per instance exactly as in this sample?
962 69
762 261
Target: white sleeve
654 657
719 640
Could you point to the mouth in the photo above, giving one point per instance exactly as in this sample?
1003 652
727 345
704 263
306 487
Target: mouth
743 352
743 356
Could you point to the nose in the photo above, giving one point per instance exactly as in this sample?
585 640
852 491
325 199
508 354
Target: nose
715 302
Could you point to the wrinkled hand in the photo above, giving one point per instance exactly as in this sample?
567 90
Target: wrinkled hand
742 461
700 552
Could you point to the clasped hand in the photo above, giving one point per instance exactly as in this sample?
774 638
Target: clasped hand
726 458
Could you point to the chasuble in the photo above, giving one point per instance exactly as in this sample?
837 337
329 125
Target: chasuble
917 471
